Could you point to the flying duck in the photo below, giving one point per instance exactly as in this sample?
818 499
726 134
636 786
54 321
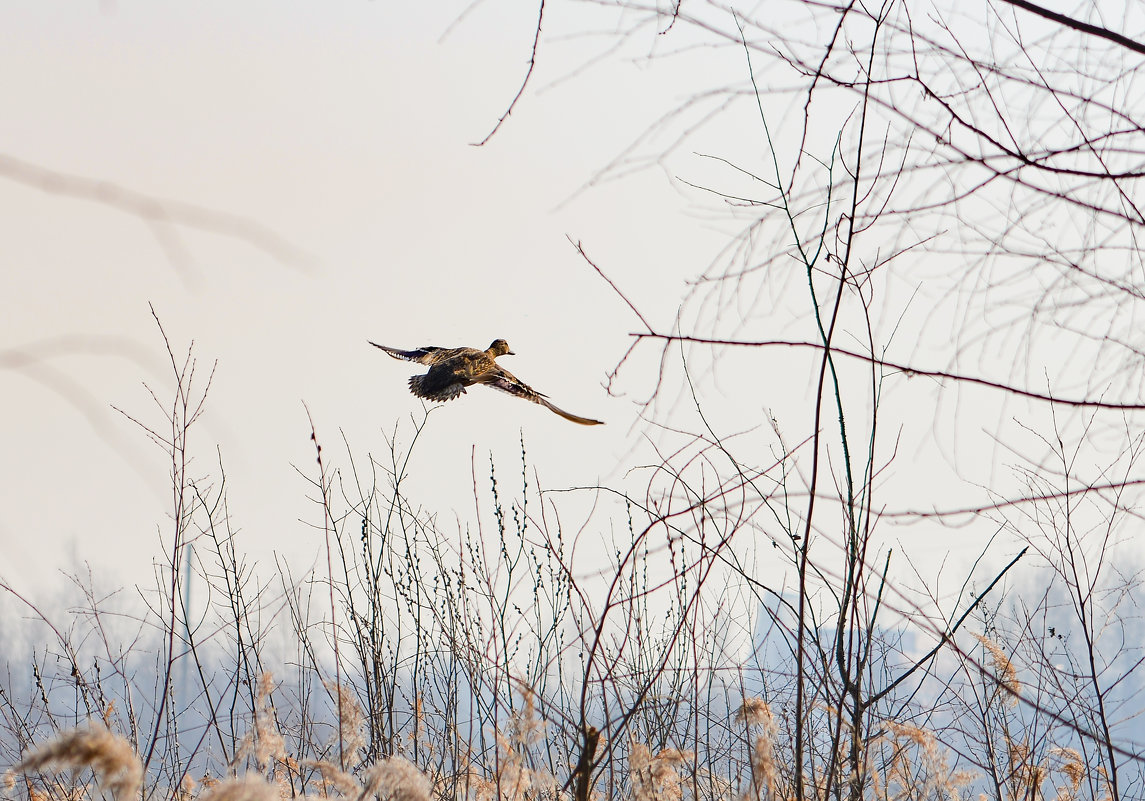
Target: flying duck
451 370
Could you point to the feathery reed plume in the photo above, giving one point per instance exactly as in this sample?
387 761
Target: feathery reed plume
468 777
250 787
1007 675
1073 768
350 740
397 779
420 735
932 777
351 722
263 741
755 712
514 779
109 756
186 789
525 727
334 777
655 777
1027 775
764 773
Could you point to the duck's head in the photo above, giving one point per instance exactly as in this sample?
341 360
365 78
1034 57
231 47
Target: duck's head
499 348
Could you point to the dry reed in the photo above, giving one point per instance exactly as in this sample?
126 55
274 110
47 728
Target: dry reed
263 742
250 787
110 757
755 712
928 777
398 779
655 777
1073 768
1007 675
351 722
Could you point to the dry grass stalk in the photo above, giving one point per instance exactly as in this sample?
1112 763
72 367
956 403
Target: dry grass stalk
60 791
1026 774
465 774
931 776
420 737
350 741
263 741
250 787
525 727
755 712
109 756
395 778
351 722
514 780
764 771
655 777
334 777
398 779
186 789
960 780
1073 768
1004 669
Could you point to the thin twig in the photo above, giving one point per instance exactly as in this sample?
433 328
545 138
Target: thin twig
524 83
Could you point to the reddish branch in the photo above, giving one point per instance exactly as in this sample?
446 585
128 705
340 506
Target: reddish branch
906 369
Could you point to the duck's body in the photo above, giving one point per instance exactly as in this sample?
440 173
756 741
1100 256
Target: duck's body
451 370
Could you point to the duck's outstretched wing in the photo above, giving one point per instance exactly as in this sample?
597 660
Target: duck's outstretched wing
429 354
436 387
505 381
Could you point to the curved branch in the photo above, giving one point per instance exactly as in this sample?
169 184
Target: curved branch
524 83
907 369
1078 25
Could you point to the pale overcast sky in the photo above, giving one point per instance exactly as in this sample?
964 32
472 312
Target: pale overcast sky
344 133
344 129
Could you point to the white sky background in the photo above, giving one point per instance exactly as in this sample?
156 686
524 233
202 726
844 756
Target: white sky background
346 129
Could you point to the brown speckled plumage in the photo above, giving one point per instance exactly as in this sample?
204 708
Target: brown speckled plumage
451 370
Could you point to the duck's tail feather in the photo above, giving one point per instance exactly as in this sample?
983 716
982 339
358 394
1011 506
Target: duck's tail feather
584 421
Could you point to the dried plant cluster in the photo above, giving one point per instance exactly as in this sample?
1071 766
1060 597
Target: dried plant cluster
916 768
487 666
119 772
